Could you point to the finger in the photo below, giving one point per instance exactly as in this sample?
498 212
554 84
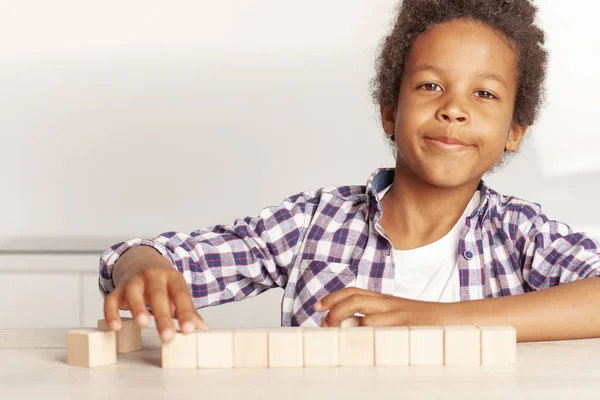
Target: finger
391 318
198 321
185 311
111 309
323 323
158 298
356 303
327 302
200 324
134 294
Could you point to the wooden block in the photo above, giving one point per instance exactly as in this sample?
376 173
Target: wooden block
426 345
498 345
215 348
462 345
129 338
357 346
91 348
286 347
250 348
321 347
180 352
391 345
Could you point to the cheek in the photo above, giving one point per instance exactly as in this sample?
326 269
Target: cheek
410 116
498 129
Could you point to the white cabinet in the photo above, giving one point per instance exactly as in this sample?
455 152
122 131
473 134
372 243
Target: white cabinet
39 299
61 290
43 290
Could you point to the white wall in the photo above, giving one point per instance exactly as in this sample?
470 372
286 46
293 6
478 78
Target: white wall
123 119
130 118
559 165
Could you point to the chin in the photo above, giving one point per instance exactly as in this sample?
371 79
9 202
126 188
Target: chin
442 174
446 179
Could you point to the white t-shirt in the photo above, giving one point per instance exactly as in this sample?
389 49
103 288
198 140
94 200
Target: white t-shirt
430 273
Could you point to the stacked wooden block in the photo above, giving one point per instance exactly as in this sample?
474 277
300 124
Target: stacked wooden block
97 347
345 346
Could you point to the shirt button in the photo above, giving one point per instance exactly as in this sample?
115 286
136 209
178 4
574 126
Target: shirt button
468 255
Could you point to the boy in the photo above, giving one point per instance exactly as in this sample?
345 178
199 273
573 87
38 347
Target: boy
424 243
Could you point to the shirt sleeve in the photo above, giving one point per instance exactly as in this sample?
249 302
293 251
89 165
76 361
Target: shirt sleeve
552 253
224 263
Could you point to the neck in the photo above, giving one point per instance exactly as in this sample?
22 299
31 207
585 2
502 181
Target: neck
416 213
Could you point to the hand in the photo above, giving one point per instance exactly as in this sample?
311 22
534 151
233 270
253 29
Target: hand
379 309
153 280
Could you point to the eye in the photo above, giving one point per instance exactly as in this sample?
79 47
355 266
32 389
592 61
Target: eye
429 86
486 94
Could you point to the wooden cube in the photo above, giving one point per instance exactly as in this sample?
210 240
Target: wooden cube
462 345
392 345
426 345
321 347
286 347
180 352
357 346
91 348
129 337
215 348
498 345
250 348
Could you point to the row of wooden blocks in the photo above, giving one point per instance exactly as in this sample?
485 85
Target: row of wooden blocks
332 347
305 347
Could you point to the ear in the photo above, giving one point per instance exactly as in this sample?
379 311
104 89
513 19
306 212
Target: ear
515 136
388 119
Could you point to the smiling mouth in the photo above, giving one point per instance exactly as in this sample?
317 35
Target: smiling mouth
445 147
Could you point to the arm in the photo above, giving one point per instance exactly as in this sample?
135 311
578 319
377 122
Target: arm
560 271
560 303
569 311
223 263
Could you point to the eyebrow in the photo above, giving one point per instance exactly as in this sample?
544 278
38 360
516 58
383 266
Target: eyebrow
481 74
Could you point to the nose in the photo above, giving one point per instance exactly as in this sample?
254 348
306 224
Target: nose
453 111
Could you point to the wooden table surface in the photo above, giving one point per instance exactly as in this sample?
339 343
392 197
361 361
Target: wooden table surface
33 365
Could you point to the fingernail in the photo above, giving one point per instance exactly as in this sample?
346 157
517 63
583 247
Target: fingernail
167 335
187 327
318 305
114 325
142 319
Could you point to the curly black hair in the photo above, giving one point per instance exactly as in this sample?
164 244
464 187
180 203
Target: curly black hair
512 18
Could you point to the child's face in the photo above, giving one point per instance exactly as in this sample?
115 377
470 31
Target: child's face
449 88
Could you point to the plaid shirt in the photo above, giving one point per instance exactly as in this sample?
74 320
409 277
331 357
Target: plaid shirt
317 242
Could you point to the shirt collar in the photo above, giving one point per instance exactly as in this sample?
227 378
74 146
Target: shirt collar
383 177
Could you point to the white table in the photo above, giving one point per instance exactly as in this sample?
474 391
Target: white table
33 366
